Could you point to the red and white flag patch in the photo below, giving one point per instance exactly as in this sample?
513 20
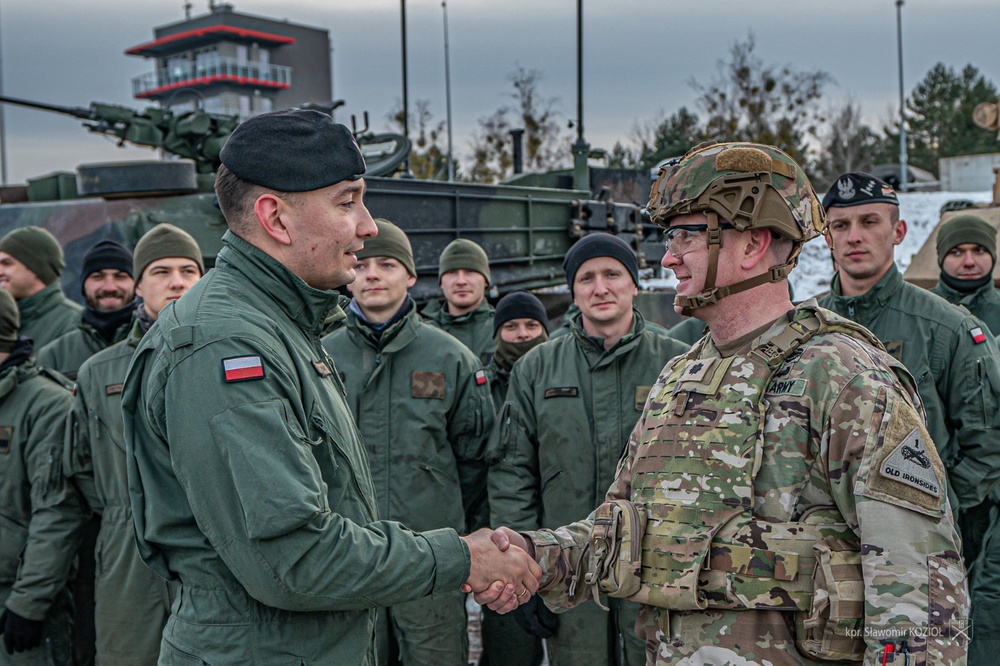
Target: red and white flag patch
977 335
480 377
242 368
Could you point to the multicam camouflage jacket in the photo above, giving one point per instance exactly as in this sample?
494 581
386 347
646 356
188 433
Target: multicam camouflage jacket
837 442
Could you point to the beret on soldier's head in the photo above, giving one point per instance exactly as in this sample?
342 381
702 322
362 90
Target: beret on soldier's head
966 228
38 250
296 150
856 189
10 321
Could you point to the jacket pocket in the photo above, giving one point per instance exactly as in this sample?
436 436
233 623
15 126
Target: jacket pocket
13 538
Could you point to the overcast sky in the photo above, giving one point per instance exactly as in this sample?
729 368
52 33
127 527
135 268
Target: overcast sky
639 56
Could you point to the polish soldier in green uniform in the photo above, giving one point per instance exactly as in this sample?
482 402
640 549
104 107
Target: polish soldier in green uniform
570 406
423 409
953 357
132 602
966 251
31 262
40 514
109 290
520 324
464 276
779 501
248 481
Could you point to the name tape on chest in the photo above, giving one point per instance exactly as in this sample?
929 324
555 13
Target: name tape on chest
561 392
243 368
113 389
910 463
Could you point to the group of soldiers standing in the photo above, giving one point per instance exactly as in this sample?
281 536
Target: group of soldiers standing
794 484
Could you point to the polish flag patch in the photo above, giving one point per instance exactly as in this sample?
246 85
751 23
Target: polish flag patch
243 368
977 335
480 377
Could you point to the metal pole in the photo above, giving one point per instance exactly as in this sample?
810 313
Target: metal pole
581 149
447 91
3 124
406 104
903 176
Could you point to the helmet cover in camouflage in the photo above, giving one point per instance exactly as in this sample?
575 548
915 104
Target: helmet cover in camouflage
746 184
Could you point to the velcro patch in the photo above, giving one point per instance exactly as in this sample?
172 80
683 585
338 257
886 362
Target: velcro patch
6 434
910 463
561 392
427 385
796 387
977 335
697 370
243 368
322 369
113 389
641 396
895 349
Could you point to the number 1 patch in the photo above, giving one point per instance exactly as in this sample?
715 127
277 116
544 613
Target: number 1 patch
243 368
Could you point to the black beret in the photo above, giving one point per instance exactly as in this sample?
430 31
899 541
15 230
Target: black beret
855 189
599 245
296 150
519 305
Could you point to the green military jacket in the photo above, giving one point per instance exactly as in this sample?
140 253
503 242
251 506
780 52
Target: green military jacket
67 353
474 329
957 372
47 315
249 483
834 414
40 514
984 303
570 407
423 407
133 603
573 310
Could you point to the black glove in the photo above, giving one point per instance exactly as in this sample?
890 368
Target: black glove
19 633
536 619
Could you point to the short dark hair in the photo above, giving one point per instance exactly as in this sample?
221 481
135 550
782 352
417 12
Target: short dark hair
236 197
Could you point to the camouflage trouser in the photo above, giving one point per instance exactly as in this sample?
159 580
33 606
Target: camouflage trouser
430 631
56 648
590 636
985 588
505 643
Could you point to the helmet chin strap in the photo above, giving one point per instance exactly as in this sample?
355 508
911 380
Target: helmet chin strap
711 294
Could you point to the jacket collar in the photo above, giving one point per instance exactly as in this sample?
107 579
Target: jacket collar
396 336
866 306
40 302
438 311
594 349
963 297
308 307
19 366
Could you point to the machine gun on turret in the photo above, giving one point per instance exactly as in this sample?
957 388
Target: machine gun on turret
196 135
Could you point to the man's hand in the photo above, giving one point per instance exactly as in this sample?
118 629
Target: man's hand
505 577
19 633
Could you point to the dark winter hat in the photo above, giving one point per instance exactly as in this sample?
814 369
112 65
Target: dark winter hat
463 253
163 241
107 254
10 321
391 241
519 305
599 245
855 189
966 228
293 151
37 249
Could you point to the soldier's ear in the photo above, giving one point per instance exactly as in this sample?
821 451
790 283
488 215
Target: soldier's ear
270 211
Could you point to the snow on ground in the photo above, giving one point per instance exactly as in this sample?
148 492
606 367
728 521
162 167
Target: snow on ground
811 277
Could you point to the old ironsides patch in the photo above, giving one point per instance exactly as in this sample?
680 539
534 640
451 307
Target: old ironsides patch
910 463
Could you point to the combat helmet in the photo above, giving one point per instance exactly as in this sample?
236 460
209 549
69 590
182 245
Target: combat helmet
747 186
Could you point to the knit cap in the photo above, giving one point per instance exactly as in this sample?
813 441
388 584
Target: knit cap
391 241
599 245
966 228
37 249
163 241
463 253
519 305
10 321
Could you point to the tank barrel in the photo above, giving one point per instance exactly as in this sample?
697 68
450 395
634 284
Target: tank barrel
75 111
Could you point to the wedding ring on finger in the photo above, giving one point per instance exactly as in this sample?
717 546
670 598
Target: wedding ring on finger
523 592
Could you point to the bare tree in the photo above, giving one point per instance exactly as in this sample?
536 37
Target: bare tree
847 145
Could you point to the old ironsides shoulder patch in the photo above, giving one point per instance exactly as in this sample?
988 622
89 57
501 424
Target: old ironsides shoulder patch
910 463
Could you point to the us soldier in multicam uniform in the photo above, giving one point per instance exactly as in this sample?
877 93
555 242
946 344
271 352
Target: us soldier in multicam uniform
779 501
966 251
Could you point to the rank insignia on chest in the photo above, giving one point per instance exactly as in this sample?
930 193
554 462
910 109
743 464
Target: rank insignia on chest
480 377
243 368
696 371
6 434
113 389
977 335
322 369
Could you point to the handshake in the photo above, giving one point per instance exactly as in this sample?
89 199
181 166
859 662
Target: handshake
503 574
